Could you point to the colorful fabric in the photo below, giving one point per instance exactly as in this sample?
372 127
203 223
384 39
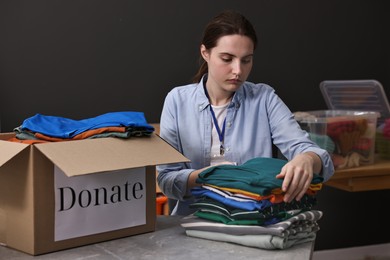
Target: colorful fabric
61 127
256 175
258 241
306 221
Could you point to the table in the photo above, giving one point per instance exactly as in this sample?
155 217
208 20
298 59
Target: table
375 176
169 241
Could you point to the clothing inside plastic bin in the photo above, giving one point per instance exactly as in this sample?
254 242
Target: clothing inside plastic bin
348 136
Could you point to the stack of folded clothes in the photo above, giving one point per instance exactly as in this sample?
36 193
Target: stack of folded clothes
44 128
244 205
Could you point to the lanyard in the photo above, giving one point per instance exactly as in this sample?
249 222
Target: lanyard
221 134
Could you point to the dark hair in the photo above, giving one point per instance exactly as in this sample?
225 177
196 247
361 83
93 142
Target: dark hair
226 23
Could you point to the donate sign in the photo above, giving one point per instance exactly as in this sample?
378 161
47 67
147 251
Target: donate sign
99 202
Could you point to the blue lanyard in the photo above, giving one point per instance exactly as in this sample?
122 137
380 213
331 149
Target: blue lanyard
221 134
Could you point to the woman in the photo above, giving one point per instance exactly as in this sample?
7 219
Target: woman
223 119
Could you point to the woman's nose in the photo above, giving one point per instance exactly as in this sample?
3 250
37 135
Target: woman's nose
236 67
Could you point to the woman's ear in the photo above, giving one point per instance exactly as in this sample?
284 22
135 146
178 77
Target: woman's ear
204 52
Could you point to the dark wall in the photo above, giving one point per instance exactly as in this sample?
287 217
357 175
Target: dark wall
352 218
79 59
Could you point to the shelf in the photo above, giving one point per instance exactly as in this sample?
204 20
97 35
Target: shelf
364 178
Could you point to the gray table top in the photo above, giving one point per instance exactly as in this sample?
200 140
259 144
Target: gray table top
169 241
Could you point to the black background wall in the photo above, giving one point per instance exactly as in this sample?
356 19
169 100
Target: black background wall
79 59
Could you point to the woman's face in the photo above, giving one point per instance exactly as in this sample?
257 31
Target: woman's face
229 62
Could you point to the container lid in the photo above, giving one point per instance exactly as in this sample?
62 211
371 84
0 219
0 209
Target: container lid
326 116
359 95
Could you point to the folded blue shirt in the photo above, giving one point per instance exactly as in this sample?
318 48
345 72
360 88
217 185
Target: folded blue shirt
247 205
61 127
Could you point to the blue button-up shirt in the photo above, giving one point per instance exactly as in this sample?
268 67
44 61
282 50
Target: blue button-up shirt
256 118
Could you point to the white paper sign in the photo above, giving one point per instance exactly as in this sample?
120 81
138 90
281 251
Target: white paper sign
99 202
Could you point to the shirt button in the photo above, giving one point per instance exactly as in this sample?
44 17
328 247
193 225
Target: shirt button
227 149
229 124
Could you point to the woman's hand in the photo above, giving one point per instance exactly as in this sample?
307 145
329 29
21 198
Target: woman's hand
298 174
191 182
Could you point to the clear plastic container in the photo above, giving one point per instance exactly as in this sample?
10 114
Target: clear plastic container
349 136
356 95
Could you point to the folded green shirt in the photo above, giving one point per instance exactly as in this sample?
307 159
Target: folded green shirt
257 175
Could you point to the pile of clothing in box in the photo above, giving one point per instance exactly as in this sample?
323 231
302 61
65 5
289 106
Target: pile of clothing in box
44 128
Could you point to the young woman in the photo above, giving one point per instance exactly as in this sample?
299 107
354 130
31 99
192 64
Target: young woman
223 119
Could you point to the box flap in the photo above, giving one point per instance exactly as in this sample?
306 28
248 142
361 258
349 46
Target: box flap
9 149
108 154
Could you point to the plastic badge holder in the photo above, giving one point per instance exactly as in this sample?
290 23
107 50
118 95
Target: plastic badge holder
357 95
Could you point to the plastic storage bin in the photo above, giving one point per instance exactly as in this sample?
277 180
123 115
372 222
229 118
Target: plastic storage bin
356 95
349 136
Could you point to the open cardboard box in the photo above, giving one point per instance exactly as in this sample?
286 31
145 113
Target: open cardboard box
59 195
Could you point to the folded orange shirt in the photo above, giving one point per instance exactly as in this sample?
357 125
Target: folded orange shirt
83 135
89 133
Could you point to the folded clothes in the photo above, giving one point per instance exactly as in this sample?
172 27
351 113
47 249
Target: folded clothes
61 127
296 230
258 241
256 175
268 211
303 222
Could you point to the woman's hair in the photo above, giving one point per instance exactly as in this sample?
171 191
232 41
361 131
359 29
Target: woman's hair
226 23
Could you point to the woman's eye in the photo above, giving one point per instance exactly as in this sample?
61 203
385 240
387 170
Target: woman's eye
226 59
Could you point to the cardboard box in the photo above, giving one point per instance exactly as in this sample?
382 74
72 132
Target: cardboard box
40 182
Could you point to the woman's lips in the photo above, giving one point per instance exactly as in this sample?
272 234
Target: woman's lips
234 81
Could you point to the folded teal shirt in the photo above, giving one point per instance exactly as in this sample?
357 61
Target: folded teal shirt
256 175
